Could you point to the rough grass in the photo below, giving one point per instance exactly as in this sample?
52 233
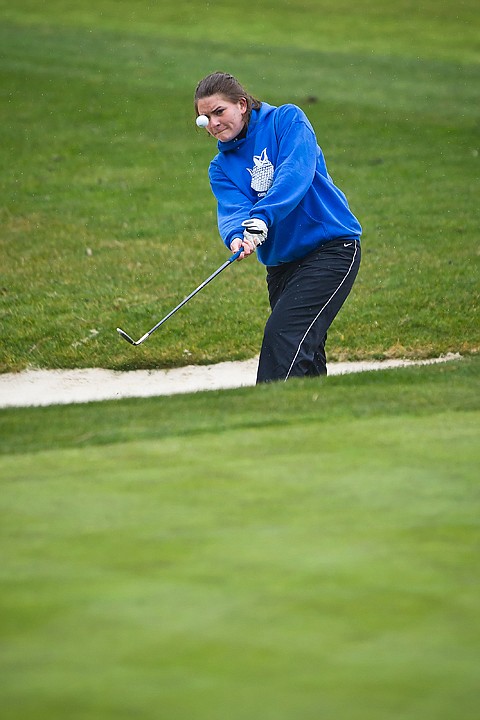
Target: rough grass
106 215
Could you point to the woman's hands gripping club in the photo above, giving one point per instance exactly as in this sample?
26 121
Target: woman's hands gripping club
255 234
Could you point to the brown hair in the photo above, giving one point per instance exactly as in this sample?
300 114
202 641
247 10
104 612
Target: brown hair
220 83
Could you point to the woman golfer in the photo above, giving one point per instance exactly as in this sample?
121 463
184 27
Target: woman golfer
276 197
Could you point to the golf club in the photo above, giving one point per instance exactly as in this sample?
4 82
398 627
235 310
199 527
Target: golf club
228 262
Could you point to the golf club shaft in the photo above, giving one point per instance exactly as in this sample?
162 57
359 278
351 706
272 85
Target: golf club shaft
228 262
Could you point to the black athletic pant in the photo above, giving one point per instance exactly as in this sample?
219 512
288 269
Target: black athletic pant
305 296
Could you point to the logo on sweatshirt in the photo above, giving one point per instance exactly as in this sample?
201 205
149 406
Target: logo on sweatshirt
262 173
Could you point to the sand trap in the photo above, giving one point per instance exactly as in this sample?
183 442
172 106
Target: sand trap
58 387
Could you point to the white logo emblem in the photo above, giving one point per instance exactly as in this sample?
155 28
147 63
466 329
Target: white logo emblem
262 173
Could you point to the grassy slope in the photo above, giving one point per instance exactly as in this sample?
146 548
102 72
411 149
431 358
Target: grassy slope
414 391
245 554
106 213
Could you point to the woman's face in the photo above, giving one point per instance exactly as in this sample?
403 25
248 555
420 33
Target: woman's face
226 118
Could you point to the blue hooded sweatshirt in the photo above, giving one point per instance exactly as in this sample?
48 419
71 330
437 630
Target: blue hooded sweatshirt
277 173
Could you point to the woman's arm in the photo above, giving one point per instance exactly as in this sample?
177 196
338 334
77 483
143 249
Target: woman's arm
295 166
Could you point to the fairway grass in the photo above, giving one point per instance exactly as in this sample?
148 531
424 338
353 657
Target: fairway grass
307 550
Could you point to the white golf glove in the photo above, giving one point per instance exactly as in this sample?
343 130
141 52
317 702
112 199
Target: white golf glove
255 232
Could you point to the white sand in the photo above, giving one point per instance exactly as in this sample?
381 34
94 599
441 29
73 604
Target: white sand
55 387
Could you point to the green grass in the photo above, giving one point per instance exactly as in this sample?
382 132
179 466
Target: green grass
305 550
418 391
106 214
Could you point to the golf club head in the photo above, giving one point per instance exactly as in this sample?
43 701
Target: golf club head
126 337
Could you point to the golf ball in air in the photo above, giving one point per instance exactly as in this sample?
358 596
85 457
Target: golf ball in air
202 121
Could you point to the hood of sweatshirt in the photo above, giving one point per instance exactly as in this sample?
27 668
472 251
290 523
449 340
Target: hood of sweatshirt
256 119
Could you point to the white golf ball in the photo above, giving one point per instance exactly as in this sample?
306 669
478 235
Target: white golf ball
202 121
